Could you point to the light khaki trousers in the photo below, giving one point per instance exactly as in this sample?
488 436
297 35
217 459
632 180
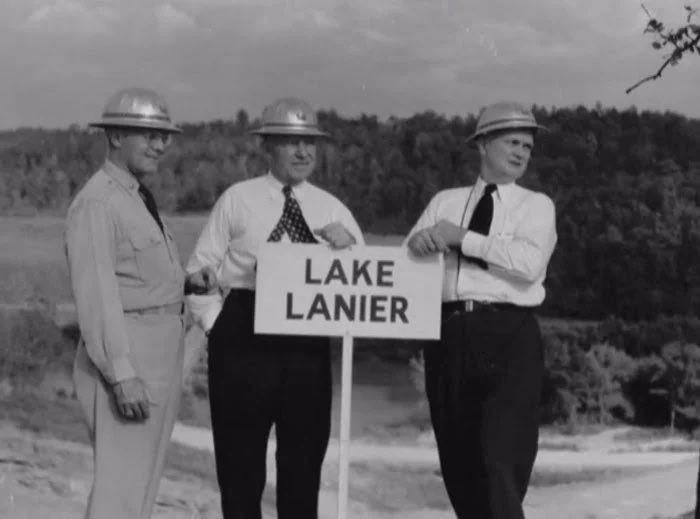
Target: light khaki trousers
129 456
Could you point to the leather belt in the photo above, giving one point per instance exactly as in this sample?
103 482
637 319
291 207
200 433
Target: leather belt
171 309
471 305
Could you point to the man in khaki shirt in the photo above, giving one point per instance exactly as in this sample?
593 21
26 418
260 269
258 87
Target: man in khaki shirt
127 283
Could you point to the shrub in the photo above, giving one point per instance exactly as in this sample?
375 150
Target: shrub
30 344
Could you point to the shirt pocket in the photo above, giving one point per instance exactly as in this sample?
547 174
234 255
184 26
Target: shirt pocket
247 243
151 255
173 246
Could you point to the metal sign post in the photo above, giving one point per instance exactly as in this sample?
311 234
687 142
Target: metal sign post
345 407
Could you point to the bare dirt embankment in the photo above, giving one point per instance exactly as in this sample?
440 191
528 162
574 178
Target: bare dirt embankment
44 477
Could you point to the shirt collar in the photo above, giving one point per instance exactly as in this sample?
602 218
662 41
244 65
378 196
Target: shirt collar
504 192
122 177
275 187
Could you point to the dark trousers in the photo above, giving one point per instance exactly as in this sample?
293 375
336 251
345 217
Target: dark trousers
483 381
256 381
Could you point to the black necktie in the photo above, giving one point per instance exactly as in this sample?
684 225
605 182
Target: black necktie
150 202
292 222
481 220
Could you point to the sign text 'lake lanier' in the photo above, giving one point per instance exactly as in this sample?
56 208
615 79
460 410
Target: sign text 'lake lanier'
364 291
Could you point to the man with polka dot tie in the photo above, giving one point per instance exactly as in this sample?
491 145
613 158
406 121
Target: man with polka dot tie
256 381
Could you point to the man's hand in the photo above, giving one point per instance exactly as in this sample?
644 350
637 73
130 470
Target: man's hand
201 282
336 235
451 234
131 397
427 241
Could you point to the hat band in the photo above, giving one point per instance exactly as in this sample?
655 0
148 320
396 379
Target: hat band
126 115
292 125
513 120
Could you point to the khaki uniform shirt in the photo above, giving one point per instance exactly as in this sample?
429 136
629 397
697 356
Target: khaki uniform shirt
119 260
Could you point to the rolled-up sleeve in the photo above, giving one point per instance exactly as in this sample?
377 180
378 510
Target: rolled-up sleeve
91 251
525 254
209 252
345 217
428 218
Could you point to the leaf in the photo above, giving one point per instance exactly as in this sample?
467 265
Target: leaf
656 45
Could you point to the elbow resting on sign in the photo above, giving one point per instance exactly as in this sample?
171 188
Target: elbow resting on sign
351 308
521 261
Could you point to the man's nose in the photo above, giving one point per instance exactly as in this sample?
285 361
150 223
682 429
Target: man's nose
159 141
521 152
301 148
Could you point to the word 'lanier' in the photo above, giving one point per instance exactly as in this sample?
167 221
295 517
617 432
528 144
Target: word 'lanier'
352 307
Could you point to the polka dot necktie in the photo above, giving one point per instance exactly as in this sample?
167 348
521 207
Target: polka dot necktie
292 222
481 220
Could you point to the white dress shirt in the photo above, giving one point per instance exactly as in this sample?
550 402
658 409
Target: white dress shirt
241 220
517 249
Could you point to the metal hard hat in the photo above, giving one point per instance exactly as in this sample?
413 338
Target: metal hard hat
505 115
137 108
289 116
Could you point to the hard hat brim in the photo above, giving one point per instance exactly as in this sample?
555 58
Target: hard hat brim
510 125
128 122
289 130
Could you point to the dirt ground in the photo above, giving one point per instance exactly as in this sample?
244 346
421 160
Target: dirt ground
620 473
42 478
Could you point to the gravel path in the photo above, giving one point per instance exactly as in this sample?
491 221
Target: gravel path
667 490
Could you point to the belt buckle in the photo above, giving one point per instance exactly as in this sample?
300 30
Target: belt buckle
468 305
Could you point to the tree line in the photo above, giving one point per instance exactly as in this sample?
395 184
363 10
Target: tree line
626 185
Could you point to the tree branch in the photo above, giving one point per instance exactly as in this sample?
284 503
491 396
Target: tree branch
653 77
672 37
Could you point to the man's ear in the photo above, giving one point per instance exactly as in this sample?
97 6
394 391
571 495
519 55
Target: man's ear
114 138
481 146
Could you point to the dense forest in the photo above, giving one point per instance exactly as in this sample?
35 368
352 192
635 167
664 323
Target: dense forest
626 186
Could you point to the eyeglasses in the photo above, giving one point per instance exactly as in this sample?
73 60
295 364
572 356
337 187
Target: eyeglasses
153 136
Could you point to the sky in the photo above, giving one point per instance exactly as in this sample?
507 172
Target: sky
62 59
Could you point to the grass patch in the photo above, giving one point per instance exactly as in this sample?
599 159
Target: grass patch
33 261
62 419
388 488
573 429
194 410
551 445
550 478
59 418
192 462
392 488
31 345
645 435
675 447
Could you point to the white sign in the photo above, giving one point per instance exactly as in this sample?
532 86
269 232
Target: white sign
306 289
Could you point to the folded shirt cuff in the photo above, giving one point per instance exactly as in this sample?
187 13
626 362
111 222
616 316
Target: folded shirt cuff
121 369
208 319
473 244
